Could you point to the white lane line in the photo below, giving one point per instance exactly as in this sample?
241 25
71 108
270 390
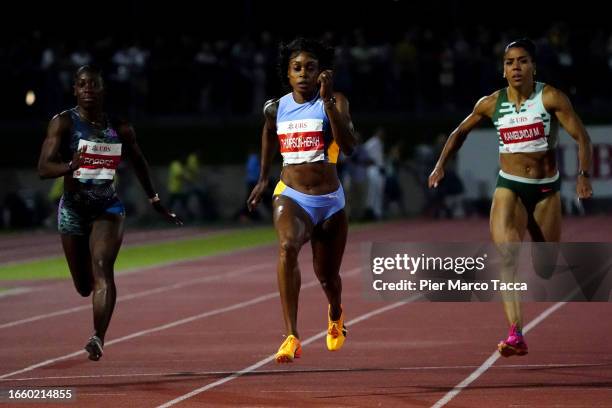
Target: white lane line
16 291
137 295
491 360
302 371
270 358
140 294
125 297
140 269
175 323
130 241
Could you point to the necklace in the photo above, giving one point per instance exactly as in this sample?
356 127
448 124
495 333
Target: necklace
92 122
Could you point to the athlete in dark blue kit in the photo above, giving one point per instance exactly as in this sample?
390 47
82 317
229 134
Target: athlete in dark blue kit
85 147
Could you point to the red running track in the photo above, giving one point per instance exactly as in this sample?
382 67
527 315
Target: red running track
199 323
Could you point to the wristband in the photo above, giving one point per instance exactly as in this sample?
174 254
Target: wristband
154 199
330 102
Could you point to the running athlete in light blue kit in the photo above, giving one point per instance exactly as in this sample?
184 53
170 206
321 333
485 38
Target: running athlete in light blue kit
311 124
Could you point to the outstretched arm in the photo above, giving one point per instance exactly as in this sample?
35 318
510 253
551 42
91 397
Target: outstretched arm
269 143
482 110
337 110
141 167
557 102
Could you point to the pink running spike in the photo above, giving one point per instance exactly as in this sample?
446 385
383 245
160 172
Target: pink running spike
514 345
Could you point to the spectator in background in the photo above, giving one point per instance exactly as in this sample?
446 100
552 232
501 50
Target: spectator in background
393 190
252 167
424 70
130 63
445 201
374 148
252 170
355 179
205 60
424 160
81 55
195 191
177 177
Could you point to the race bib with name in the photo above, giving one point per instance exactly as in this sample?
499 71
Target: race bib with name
301 141
523 132
100 160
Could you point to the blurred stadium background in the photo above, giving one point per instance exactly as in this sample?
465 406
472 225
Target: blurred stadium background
195 81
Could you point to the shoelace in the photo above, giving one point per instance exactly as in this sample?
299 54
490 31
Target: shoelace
290 341
96 340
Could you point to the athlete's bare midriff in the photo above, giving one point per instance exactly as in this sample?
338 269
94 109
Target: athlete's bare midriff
311 178
536 165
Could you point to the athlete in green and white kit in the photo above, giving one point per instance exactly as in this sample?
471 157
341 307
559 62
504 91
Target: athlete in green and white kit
526 115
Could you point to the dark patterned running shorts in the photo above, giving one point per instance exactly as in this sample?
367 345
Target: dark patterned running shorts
77 211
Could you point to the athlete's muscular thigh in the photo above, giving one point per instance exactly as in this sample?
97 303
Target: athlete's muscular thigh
105 241
547 218
508 221
292 223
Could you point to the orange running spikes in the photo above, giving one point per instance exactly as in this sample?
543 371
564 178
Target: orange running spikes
336 332
290 349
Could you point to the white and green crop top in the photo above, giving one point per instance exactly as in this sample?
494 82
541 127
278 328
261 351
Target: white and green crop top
531 129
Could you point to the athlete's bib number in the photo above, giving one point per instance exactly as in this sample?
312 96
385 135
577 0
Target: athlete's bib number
100 160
